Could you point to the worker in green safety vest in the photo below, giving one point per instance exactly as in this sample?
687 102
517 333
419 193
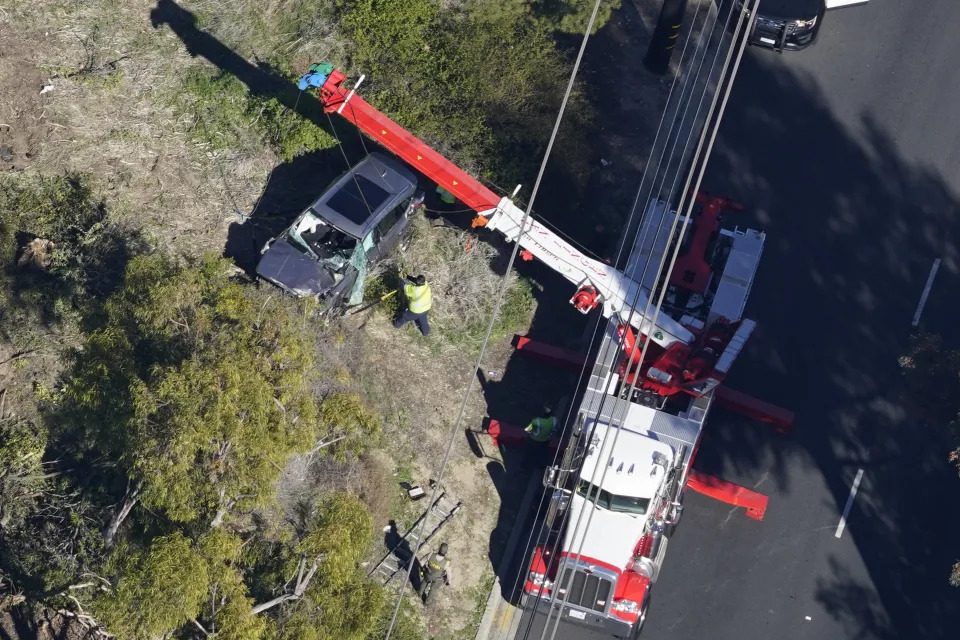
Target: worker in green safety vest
539 432
446 196
540 429
419 300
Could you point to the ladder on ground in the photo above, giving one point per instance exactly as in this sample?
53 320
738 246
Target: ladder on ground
438 514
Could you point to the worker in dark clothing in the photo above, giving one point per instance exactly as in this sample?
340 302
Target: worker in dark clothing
539 432
436 568
419 300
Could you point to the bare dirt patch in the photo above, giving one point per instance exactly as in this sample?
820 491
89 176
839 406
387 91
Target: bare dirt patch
110 111
24 126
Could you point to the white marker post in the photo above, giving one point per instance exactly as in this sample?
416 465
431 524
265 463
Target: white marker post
846 509
926 292
836 4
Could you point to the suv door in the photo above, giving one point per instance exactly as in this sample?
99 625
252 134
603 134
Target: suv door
387 233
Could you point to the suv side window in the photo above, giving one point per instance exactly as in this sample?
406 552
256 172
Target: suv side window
393 216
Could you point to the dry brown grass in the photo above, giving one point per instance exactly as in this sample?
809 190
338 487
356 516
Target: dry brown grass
112 114
465 274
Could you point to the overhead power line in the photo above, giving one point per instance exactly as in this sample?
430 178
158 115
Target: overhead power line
585 371
496 309
683 212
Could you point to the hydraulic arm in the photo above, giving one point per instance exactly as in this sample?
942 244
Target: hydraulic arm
598 284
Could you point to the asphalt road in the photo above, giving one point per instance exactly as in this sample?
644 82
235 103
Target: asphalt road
848 155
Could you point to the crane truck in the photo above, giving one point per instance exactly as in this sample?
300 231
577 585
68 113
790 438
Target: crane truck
629 457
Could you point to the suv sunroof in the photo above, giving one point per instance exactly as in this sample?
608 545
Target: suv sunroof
357 203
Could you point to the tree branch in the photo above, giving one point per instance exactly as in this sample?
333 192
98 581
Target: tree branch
324 445
303 581
129 500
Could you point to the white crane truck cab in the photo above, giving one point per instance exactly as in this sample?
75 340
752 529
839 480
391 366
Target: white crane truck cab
616 494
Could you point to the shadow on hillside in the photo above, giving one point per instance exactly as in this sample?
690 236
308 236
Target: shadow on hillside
260 80
291 187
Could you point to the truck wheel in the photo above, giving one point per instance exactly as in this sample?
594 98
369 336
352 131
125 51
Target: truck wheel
671 529
642 618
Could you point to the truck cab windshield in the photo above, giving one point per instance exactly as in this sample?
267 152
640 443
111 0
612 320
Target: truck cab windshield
611 501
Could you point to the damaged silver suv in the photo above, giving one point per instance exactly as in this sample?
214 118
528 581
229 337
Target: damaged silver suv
329 248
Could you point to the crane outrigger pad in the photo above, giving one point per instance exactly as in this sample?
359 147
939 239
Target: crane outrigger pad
756 503
549 354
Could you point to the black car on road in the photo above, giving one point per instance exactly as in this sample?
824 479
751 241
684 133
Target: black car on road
790 25
360 219
786 24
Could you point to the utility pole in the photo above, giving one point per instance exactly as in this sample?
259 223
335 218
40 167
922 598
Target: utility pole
665 35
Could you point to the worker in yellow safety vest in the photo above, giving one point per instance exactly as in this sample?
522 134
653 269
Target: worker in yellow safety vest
540 429
419 300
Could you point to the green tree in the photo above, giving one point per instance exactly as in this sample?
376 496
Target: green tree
23 477
328 596
198 389
229 612
158 590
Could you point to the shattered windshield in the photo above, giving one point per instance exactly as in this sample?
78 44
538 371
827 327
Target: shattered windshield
612 501
328 244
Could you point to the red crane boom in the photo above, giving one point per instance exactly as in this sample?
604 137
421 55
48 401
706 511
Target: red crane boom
419 155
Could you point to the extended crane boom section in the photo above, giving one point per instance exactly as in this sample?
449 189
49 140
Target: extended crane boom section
615 292
598 284
419 155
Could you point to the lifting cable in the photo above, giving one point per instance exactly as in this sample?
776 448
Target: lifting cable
501 290
349 166
356 127
711 127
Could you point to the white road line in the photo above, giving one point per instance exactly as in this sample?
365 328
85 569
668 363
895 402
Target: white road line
846 509
926 291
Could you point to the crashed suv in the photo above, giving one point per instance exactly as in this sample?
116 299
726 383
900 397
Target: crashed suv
360 219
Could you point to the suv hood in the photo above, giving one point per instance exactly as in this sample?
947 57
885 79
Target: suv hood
294 270
611 536
790 9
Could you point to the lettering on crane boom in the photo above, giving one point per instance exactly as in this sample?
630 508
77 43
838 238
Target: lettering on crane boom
586 263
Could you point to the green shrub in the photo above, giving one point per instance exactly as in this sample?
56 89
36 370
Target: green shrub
289 133
381 284
482 82
85 260
571 16
221 107
227 114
